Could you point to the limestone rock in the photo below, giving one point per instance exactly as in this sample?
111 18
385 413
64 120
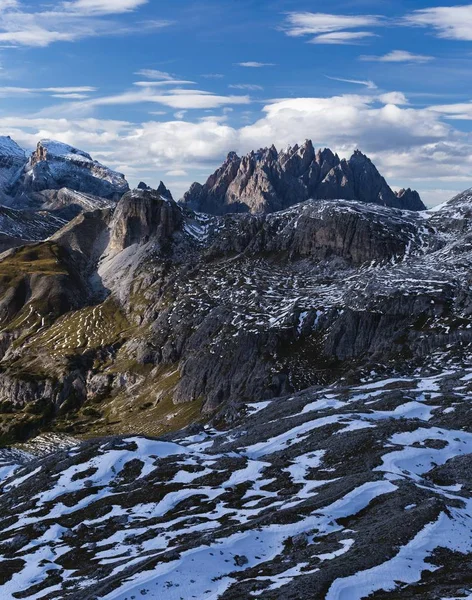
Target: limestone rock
268 181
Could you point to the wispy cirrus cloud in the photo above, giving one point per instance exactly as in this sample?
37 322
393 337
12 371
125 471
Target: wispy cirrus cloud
399 56
324 28
103 7
450 22
246 86
178 99
155 74
252 64
458 112
64 92
370 85
22 25
342 38
159 78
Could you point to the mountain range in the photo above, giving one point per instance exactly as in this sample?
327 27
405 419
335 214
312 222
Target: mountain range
269 181
305 362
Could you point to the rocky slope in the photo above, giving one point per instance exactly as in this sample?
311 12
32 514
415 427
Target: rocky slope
268 181
338 493
140 317
18 227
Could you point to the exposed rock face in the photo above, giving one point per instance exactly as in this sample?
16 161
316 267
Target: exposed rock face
267 181
55 165
141 215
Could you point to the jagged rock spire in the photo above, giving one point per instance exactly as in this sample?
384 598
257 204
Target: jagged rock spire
266 180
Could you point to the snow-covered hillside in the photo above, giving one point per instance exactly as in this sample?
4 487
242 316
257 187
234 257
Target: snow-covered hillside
12 161
333 493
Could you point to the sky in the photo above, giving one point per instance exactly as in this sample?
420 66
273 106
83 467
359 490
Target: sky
163 90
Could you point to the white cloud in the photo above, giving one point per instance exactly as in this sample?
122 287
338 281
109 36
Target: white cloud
163 83
344 121
21 25
4 4
70 96
342 38
399 56
393 98
306 23
104 7
254 64
246 86
451 22
213 76
154 74
6 91
178 99
176 173
411 146
330 29
461 111
370 85
69 90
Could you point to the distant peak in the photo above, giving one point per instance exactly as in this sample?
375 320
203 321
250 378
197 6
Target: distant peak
358 154
9 147
48 147
164 192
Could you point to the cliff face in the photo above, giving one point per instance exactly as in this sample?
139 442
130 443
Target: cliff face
142 215
268 181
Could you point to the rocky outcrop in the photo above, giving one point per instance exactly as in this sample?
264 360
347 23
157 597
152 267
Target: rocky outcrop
142 215
267 181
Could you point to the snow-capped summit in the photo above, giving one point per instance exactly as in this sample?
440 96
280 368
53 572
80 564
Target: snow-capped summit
9 147
55 165
47 149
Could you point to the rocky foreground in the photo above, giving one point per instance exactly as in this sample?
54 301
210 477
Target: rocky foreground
340 493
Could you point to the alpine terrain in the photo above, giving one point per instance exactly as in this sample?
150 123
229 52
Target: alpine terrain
260 391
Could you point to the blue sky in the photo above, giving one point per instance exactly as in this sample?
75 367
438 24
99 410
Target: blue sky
163 90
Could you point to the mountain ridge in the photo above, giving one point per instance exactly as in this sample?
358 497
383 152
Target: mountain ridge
269 181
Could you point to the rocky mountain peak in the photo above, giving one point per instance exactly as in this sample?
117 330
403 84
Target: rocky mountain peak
163 191
55 165
50 149
142 214
232 156
9 147
266 180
